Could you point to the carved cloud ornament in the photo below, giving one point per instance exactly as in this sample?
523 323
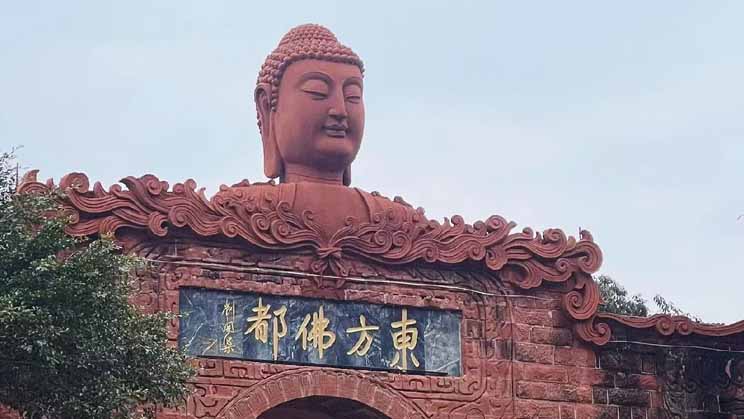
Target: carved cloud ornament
525 259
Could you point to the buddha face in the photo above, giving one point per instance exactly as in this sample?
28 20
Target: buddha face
319 120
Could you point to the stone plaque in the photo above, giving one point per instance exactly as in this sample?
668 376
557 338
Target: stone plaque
296 330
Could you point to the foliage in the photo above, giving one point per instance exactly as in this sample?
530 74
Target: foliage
667 307
615 299
71 344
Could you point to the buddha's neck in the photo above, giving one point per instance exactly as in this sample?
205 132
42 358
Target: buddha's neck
295 173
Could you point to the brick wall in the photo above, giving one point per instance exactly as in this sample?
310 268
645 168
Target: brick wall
557 376
521 358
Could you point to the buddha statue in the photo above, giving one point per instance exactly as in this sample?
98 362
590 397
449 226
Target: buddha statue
310 105
310 109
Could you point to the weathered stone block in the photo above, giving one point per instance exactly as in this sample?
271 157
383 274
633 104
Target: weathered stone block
553 392
551 336
542 373
579 357
590 376
527 352
599 395
534 317
629 397
588 411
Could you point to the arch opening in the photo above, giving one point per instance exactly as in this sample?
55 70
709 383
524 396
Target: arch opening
322 407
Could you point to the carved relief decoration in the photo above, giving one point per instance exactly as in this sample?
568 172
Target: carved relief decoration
525 259
208 265
693 377
664 324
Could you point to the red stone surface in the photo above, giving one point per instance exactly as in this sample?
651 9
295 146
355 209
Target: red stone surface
283 217
530 327
518 362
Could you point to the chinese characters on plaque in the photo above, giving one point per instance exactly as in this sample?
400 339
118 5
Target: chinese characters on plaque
320 332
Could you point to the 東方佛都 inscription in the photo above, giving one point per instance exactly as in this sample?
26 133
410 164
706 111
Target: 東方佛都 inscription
321 332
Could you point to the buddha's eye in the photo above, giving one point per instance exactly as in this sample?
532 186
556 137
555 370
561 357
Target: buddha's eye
353 93
317 89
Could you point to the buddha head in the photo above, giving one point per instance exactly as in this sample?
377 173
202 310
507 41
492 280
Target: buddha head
310 108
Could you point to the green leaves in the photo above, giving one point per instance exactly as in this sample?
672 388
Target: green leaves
615 299
71 344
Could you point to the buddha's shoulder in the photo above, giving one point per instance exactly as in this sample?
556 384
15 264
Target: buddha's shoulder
381 204
333 200
245 192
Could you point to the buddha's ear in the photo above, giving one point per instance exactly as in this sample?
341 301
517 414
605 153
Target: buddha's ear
347 176
273 166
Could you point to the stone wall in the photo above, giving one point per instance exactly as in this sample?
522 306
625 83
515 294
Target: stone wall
521 357
640 374
557 376
235 388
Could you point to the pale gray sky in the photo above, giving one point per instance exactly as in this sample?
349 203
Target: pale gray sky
624 118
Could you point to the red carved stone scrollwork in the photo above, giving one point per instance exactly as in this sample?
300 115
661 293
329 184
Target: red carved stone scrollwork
598 329
667 325
525 259
594 331
295 384
528 258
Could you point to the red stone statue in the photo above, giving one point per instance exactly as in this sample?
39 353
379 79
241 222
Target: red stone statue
312 235
310 106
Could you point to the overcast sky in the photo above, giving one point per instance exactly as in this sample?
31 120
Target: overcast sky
623 118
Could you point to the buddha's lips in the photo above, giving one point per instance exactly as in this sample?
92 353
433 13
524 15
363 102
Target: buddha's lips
338 131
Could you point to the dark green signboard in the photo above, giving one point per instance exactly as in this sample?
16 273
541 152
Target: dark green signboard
319 332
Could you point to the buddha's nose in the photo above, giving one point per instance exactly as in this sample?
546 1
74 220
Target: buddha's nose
338 113
337 109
